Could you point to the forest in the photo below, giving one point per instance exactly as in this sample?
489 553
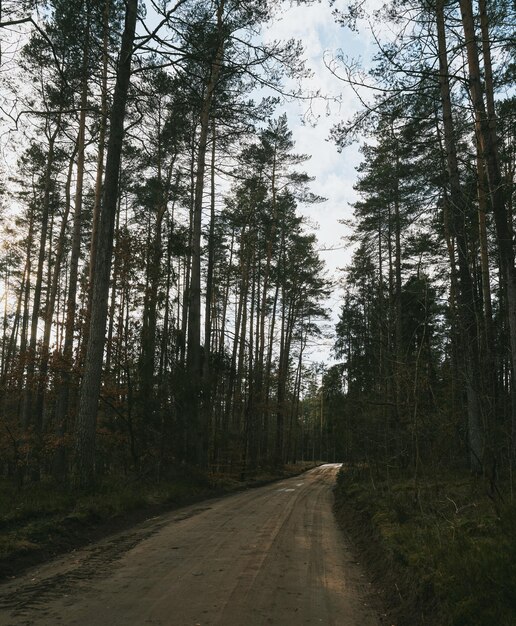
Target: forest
426 335
159 286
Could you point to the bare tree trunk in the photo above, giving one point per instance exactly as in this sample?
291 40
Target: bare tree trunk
193 363
149 322
65 382
465 295
237 400
249 448
26 298
51 300
10 348
211 263
90 389
100 157
27 414
187 269
268 377
490 152
281 388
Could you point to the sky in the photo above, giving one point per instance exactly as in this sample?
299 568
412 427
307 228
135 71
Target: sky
334 172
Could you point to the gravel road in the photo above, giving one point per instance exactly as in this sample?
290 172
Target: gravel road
272 555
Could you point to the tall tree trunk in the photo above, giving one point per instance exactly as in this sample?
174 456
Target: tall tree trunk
10 348
465 295
398 333
65 382
490 152
90 389
483 204
100 157
51 301
281 388
187 266
240 337
193 363
28 409
149 322
24 338
208 325
249 448
268 376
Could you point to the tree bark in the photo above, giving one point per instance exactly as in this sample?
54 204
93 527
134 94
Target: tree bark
193 360
100 156
490 151
465 296
90 389
27 408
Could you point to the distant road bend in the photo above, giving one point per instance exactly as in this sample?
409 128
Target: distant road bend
272 555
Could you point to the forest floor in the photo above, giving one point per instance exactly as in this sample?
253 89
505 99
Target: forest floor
443 548
41 520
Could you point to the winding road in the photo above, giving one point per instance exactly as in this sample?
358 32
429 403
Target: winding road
271 555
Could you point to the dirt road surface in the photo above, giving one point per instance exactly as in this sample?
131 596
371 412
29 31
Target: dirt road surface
272 555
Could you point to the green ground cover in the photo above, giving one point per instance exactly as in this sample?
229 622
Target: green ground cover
443 549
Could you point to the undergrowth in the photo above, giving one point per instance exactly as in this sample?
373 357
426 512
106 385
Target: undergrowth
42 514
443 548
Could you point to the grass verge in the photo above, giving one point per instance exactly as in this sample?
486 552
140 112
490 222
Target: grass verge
444 551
